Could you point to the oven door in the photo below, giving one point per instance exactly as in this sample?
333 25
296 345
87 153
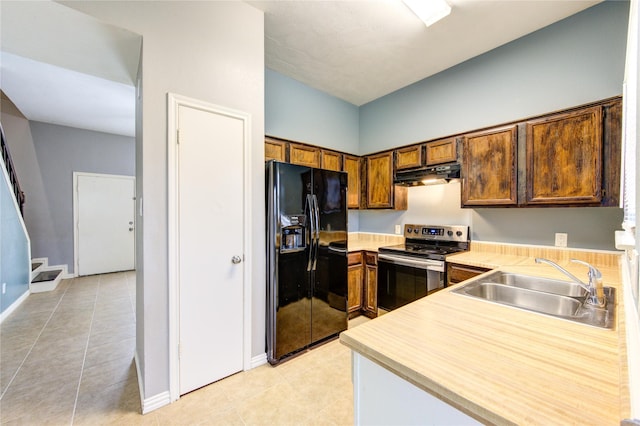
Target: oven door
402 280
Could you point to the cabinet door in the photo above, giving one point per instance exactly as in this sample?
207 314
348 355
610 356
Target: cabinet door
275 150
330 160
564 158
371 291
443 151
489 168
380 180
354 283
408 158
304 155
351 165
371 285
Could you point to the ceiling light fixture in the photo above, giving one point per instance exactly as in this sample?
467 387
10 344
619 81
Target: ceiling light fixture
429 11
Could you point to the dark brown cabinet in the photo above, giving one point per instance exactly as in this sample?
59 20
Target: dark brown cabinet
564 158
351 165
442 151
381 193
489 168
370 299
275 150
409 158
569 158
304 155
354 282
456 273
330 160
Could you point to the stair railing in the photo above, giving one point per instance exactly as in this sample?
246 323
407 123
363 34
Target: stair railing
11 171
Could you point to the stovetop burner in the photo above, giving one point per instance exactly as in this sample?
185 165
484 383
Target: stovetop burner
431 242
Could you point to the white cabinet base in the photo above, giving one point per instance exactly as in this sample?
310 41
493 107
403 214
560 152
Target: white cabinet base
382 398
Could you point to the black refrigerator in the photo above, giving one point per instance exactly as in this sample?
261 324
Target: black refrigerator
306 257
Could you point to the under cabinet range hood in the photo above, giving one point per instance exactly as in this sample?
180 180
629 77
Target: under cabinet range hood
431 175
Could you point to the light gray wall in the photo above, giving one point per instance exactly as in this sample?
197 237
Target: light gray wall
298 112
212 51
575 61
60 151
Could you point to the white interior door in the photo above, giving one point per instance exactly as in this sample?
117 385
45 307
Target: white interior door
210 234
105 215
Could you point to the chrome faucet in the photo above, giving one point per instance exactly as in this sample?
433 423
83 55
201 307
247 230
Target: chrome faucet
594 287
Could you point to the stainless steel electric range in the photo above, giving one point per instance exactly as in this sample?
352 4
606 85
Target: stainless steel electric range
409 271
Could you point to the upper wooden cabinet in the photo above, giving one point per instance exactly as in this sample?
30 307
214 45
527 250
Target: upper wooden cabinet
489 173
351 165
330 160
304 155
380 180
443 151
380 191
568 158
408 158
564 158
275 150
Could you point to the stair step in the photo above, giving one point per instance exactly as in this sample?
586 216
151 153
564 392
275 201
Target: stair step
46 281
36 265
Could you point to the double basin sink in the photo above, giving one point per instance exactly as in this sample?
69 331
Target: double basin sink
561 299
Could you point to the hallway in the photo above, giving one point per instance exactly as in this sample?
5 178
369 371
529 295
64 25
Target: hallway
67 358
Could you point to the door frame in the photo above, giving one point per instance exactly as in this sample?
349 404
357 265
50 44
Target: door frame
76 236
174 101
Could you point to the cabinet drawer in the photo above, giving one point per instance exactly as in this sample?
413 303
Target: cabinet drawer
354 258
457 273
371 258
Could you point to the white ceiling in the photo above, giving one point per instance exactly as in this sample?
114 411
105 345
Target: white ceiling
356 50
360 50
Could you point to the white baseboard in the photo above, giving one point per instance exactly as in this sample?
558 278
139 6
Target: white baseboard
156 401
14 306
258 360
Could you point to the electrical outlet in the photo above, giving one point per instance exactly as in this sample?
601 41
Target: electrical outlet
4 288
398 229
561 239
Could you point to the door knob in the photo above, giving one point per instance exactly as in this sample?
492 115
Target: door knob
236 259
130 229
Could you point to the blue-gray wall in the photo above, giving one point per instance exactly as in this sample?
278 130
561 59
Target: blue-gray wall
15 263
59 152
572 62
298 112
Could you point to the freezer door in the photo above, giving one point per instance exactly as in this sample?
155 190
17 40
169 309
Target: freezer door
329 301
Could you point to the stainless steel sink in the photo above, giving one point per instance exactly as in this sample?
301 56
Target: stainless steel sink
563 288
538 301
524 292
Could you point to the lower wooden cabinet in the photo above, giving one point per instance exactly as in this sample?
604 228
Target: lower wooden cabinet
370 306
456 273
362 275
354 282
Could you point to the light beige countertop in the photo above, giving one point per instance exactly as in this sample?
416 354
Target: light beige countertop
503 365
367 241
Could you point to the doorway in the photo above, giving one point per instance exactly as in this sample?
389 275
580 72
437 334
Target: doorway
104 223
208 271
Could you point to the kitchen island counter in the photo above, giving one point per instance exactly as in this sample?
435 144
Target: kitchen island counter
502 365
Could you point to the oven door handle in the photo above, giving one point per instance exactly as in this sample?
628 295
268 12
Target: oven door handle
431 265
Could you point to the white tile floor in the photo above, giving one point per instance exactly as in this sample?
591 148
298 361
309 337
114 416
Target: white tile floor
66 357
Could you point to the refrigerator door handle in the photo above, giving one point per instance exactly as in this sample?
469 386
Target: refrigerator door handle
309 204
316 215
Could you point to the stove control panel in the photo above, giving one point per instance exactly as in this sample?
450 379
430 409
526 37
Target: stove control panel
437 232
